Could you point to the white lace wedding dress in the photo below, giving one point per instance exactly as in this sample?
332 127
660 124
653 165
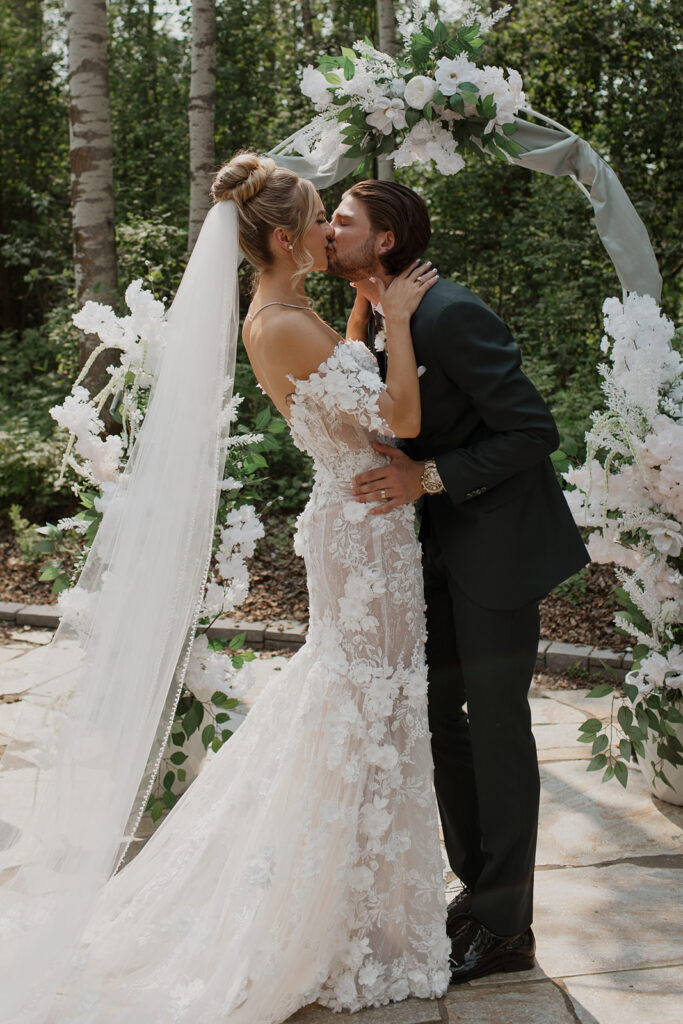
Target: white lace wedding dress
303 863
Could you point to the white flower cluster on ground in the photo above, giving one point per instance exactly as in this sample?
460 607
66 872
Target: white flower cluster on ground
412 101
631 498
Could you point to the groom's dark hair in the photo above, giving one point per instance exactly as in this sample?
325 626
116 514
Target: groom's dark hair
393 207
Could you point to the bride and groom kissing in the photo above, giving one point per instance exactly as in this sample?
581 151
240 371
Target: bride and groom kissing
304 863
496 536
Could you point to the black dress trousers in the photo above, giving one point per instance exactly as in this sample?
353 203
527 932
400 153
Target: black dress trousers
485 764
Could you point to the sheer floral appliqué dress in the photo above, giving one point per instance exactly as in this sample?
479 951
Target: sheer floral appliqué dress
303 863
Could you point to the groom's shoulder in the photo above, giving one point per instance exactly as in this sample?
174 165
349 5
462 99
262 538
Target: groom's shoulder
448 297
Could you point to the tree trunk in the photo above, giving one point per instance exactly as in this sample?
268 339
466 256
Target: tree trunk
201 113
92 175
387 42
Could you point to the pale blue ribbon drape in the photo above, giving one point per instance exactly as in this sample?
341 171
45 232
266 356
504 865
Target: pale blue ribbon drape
559 152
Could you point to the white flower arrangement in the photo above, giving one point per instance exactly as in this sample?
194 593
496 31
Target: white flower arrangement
431 104
214 682
629 494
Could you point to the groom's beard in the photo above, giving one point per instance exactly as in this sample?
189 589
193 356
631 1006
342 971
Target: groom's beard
356 265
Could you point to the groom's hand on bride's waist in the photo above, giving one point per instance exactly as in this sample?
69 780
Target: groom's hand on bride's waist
397 483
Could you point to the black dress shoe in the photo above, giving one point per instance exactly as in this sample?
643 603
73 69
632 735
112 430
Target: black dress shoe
457 912
476 951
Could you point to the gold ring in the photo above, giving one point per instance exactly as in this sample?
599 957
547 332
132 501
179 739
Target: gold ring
383 495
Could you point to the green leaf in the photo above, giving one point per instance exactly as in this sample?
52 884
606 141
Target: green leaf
600 743
621 772
170 799
208 733
509 128
591 725
332 78
625 749
216 744
226 734
178 738
413 116
601 690
609 773
457 103
157 810
51 571
193 719
348 53
169 779
182 775
438 99
428 112
586 737
237 642
263 419
625 717
178 757
222 716
598 762
348 68
630 690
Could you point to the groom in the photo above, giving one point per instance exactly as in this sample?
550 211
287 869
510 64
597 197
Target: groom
497 535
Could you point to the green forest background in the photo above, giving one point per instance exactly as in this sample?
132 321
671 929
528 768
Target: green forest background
607 69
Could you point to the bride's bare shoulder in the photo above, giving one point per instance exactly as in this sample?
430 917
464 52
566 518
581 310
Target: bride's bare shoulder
293 342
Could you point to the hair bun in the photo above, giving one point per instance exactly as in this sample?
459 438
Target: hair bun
242 178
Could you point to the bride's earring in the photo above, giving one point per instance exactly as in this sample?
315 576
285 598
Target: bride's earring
290 246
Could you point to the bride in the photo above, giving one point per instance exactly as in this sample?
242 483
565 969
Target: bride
303 863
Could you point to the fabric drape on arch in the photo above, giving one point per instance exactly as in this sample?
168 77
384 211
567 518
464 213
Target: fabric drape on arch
555 151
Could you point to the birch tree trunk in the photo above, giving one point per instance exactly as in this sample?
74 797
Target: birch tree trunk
92 175
387 42
201 113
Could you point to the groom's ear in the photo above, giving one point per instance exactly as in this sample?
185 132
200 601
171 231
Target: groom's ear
385 242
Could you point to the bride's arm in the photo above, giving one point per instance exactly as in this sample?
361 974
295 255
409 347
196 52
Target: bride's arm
359 318
400 405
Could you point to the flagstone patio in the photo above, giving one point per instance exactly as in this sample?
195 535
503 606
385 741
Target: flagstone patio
608 891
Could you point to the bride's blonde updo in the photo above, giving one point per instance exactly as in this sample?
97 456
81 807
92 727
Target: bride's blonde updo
267 197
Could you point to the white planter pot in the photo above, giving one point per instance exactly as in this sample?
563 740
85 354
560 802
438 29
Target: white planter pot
674 775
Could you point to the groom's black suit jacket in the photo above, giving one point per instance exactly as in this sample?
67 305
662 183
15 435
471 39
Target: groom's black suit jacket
503 525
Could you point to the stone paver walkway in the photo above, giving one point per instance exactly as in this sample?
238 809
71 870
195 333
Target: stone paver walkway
608 889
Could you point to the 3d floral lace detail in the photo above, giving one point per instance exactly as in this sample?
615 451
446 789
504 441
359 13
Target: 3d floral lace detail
303 864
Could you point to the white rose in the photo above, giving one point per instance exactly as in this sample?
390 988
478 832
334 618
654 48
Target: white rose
389 116
419 91
314 85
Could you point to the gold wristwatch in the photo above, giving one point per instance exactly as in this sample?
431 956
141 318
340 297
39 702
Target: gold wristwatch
431 481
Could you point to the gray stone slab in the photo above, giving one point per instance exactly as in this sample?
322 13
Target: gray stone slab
32 637
605 661
584 821
44 615
590 707
653 996
560 657
558 742
509 1002
550 709
622 917
410 1011
10 651
294 632
9 609
226 630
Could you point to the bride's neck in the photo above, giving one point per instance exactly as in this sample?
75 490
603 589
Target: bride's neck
278 285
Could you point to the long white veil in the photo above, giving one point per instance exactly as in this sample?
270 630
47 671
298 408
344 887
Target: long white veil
101 696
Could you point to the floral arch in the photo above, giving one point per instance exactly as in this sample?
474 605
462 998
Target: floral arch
433 104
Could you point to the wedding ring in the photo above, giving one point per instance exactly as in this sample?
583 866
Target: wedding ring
383 495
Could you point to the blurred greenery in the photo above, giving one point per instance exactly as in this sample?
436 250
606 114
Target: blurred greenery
527 244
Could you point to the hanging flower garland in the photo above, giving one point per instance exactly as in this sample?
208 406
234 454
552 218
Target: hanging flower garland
432 104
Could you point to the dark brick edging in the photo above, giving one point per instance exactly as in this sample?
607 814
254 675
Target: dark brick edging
553 656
